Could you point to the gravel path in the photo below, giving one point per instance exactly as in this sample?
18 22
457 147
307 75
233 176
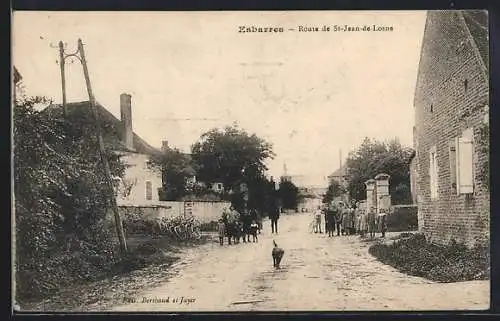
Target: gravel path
318 273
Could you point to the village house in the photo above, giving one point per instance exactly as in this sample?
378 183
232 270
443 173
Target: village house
340 176
451 105
192 182
141 182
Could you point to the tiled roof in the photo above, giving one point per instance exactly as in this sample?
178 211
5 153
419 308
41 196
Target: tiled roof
477 22
17 76
339 172
115 131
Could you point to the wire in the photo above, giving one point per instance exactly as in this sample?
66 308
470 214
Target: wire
469 17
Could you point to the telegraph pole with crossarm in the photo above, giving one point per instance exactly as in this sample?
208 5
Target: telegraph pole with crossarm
80 55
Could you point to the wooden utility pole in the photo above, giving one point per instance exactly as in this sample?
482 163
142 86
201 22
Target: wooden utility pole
102 151
63 79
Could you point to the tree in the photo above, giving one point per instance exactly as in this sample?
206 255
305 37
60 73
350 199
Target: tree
230 156
61 199
335 189
374 157
289 195
176 169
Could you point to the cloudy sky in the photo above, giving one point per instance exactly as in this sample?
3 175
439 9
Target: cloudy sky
310 94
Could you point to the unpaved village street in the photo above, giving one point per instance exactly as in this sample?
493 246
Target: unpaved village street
318 273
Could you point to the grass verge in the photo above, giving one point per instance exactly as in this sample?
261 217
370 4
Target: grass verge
414 255
147 265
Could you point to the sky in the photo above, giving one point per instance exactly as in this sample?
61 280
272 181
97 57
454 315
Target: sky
311 94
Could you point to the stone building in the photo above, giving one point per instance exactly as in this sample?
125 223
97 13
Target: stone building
451 105
141 181
340 175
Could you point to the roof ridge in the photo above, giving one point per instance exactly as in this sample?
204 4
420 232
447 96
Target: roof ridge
140 144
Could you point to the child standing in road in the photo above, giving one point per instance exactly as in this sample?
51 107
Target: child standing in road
254 227
222 232
317 220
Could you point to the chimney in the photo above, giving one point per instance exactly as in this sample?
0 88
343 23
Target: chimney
164 145
340 159
126 118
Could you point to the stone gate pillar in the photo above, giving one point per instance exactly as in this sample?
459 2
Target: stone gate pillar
383 197
370 194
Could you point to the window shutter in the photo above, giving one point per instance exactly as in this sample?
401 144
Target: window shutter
149 191
465 163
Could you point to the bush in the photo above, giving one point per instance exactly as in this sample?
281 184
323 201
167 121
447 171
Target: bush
61 199
453 263
403 219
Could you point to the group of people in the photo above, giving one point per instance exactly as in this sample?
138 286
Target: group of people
246 223
238 226
349 219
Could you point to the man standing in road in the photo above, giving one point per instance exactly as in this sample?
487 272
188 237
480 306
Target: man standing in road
324 211
330 219
222 231
274 215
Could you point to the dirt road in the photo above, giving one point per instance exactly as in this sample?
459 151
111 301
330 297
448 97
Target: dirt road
318 273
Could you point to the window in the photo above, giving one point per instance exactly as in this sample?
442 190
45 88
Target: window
433 172
149 191
465 162
219 186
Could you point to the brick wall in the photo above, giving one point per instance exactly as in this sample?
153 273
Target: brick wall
451 92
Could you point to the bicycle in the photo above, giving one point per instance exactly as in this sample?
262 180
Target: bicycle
179 232
311 226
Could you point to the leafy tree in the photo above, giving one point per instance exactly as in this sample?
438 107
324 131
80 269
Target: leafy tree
335 189
261 193
230 156
176 169
61 199
374 157
289 195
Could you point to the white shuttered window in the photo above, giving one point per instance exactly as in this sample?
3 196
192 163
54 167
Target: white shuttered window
465 162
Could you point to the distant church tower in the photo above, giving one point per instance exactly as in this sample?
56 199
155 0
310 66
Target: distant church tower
285 176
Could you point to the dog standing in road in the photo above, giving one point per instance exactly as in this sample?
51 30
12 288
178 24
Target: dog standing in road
277 254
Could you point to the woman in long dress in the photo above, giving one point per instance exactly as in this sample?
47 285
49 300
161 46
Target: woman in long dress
346 220
371 221
363 226
352 219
